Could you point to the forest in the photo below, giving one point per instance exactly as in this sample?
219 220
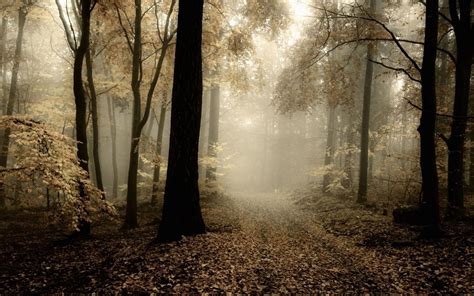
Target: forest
236 146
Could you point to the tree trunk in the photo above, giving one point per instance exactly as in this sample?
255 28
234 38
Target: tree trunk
3 62
157 168
348 160
330 147
81 104
138 122
430 197
471 150
131 210
113 134
464 36
12 97
95 122
181 209
204 139
213 131
364 133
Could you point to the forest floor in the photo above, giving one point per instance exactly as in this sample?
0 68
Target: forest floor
263 243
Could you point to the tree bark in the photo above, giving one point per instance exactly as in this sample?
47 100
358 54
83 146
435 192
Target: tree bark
430 195
181 209
12 97
157 168
213 131
464 48
95 122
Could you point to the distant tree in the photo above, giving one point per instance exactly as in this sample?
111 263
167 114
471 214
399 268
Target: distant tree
158 150
181 209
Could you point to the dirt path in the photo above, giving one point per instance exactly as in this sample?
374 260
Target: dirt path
295 254
258 243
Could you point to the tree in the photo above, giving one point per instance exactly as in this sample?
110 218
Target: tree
86 7
364 132
45 157
213 137
158 152
464 33
3 61
70 26
95 120
135 45
430 194
181 209
12 97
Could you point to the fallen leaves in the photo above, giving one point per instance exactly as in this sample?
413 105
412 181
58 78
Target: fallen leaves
258 244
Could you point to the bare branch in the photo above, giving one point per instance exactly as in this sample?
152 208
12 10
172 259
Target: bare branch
405 71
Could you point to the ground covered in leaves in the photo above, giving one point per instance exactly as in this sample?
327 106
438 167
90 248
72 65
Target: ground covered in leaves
260 243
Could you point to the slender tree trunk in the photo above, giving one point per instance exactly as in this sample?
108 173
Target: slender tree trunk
138 122
81 104
348 160
12 97
430 195
157 168
364 141
3 62
131 210
95 122
330 147
204 139
464 48
113 135
213 131
370 170
181 209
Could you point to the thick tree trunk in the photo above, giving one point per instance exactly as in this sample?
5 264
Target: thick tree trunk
330 147
12 97
113 135
464 38
214 108
157 168
95 121
430 195
181 209
81 104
